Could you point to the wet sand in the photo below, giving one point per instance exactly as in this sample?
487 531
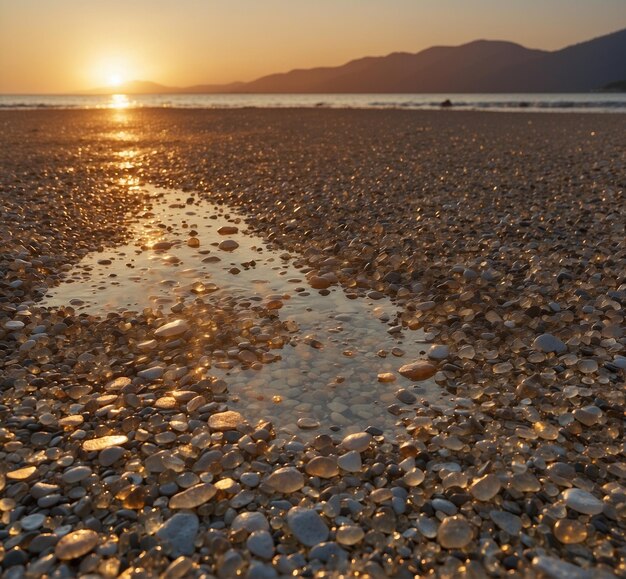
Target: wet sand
501 236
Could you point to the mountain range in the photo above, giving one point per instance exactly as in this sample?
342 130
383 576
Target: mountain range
480 66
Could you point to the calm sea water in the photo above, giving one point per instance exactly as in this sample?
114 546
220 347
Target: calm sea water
587 102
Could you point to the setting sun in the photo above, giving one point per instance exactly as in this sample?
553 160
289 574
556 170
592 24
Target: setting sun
115 79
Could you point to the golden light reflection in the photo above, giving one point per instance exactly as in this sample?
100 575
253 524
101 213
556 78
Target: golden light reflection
119 101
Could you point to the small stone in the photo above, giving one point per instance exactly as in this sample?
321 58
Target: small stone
350 535
261 544
359 441
548 343
588 415
386 377
76 544
307 423
485 488
414 477
438 352
110 455
582 502
250 522
508 522
193 242
350 462
151 373
307 526
104 442
286 480
193 497
228 245
558 569
322 466
13 325
455 533
178 533
229 420
569 531
419 370
76 474
172 329
32 522
228 230
22 473
405 396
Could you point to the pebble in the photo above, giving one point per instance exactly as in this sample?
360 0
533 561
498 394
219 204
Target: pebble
485 488
350 535
178 534
193 497
229 420
570 531
549 343
359 442
322 466
228 245
261 544
250 522
405 396
455 532
582 502
172 329
508 522
76 544
307 526
104 442
350 461
438 352
418 371
286 480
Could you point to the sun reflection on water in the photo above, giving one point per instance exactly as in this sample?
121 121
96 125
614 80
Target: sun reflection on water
119 101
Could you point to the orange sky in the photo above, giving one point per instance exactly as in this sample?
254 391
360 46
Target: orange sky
70 45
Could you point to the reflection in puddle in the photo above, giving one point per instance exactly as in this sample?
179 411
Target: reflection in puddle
325 378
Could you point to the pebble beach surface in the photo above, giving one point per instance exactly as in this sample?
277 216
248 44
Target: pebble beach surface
500 237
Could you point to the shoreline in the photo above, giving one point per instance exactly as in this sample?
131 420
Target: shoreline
488 231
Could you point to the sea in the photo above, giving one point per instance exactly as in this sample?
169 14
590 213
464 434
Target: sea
566 102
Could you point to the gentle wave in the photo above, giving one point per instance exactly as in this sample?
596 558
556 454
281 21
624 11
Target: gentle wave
587 102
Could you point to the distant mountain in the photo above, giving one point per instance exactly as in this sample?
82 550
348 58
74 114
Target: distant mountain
616 86
479 66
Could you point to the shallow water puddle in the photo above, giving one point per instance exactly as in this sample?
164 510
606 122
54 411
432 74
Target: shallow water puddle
325 378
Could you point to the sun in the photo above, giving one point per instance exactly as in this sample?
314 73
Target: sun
115 79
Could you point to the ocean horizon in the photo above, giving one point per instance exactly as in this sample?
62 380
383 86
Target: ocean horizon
601 102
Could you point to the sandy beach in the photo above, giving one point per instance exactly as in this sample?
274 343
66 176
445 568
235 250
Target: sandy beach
500 236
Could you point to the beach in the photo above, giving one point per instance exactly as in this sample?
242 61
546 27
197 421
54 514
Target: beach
499 236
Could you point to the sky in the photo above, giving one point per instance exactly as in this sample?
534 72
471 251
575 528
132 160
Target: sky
63 46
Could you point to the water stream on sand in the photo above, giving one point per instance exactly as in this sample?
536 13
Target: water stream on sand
325 379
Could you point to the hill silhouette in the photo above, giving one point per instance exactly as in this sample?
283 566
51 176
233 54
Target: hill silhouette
479 66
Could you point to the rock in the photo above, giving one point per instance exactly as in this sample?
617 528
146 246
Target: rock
306 423
548 343
229 420
228 245
153 373
569 531
250 522
350 535
438 352
350 462
508 522
104 442
455 533
228 230
193 497
307 526
558 569
32 522
286 480
110 455
582 502
405 396
317 282
76 544
76 474
386 377
485 488
322 466
178 534
359 441
261 544
172 329
419 370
